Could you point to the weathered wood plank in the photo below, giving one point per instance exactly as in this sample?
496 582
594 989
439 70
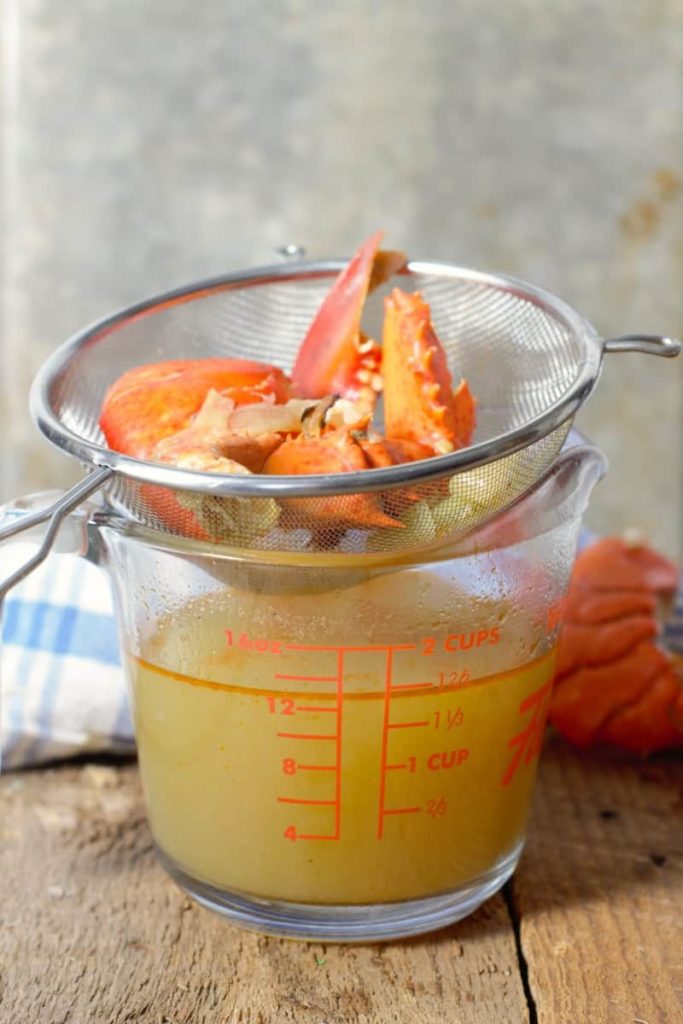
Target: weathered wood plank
600 889
93 931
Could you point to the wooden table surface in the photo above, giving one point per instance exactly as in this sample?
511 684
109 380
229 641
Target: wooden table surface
589 931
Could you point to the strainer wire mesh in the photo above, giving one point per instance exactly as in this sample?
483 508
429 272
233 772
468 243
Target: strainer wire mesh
528 358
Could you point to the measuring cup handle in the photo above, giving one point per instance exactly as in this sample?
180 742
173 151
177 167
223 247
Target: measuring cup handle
21 519
650 344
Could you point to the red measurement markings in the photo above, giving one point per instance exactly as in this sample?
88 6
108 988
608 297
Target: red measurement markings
526 745
338 759
288 706
309 803
407 766
350 648
407 725
448 719
306 679
413 686
385 744
305 736
390 689
435 808
448 759
291 767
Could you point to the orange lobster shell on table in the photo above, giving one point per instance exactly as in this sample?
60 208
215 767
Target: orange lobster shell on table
615 682
233 416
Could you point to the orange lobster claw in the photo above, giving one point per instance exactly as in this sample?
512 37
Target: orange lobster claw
381 452
392 451
419 403
335 358
464 412
334 452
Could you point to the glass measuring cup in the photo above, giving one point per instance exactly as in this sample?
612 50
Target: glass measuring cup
344 747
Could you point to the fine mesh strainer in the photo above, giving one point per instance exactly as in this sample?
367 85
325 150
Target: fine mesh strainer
530 360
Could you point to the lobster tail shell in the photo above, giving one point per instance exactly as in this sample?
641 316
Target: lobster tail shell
614 682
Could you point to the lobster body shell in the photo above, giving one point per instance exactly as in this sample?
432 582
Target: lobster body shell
615 682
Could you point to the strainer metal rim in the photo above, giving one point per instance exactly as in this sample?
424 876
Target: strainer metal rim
311 485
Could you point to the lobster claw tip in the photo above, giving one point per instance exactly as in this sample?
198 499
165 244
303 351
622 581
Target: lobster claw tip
419 401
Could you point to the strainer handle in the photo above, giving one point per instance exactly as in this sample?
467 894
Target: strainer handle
55 513
650 344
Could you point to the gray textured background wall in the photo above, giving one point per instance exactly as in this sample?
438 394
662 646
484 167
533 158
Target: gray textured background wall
150 142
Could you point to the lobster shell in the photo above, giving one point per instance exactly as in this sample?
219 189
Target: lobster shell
615 682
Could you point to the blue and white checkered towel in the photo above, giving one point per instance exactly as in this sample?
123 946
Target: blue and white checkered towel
63 688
